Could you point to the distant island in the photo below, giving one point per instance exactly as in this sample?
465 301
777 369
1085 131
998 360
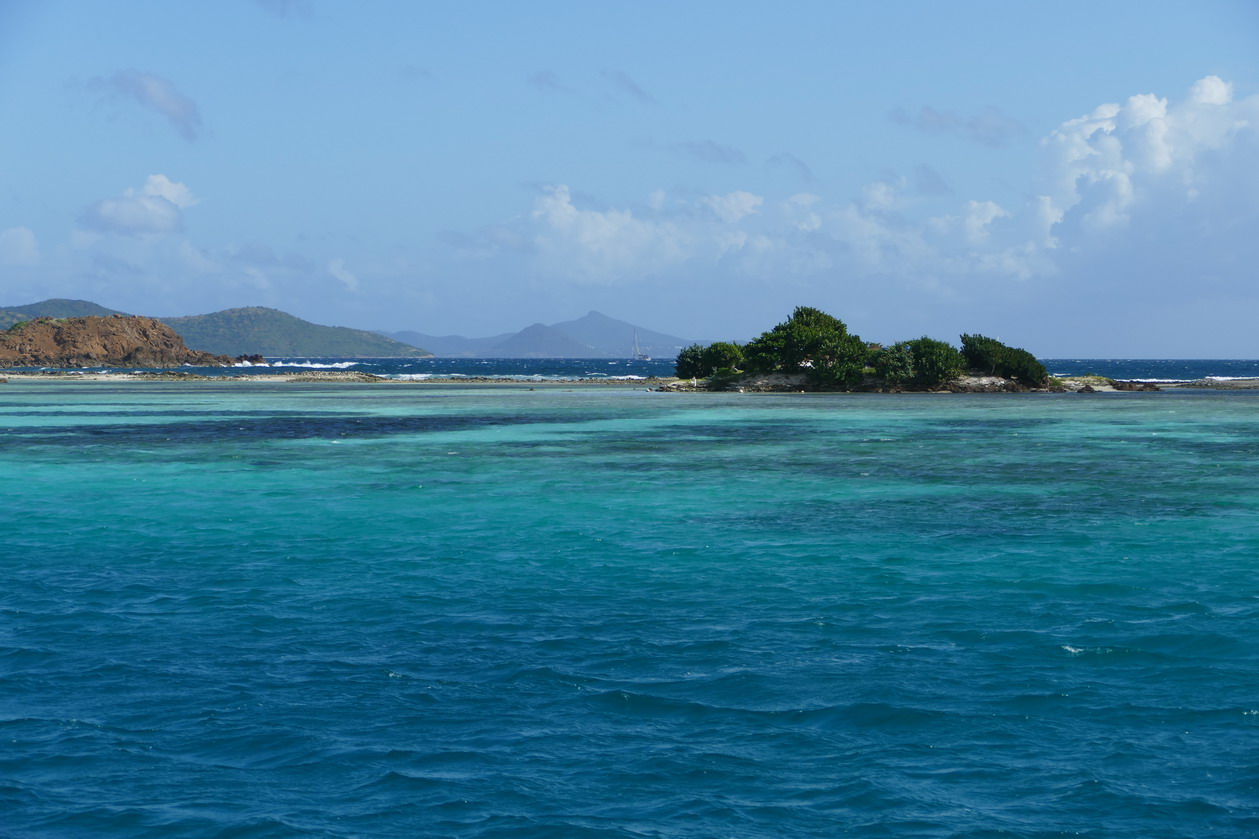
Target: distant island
594 335
258 330
239 332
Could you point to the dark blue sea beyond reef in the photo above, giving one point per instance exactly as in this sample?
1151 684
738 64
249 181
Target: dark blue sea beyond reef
270 609
1144 369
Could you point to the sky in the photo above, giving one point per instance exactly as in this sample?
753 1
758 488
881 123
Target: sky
1077 178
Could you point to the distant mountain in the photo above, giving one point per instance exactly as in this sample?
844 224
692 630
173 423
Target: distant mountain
539 341
54 308
270 332
615 338
594 335
450 345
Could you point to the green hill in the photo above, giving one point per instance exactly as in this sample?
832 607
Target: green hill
54 308
256 330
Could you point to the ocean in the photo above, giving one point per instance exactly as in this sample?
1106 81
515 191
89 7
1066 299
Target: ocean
267 609
560 369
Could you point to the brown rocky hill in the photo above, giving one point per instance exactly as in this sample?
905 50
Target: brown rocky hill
116 341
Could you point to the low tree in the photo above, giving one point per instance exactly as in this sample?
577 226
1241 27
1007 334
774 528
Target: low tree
690 363
722 355
935 362
810 342
894 364
988 355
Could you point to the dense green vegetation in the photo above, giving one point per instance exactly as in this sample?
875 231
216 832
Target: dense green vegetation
995 358
269 332
820 347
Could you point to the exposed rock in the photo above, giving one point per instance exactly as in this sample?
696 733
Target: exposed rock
116 341
1121 385
336 376
984 384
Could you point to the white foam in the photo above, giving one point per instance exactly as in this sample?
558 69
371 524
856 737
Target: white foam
313 365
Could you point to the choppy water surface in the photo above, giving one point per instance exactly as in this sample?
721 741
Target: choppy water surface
301 610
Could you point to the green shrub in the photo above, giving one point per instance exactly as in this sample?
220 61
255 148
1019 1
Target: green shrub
690 363
838 361
935 362
722 354
988 355
810 341
895 364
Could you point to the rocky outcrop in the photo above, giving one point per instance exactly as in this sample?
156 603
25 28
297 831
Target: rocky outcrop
116 341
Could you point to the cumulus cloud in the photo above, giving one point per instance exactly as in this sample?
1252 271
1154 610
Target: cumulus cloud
990 127
18 246
159 95
157 207
734 206
1147 156
624 245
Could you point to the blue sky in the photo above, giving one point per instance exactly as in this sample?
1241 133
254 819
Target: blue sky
1078 178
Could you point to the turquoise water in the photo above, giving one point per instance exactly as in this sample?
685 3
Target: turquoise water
266 610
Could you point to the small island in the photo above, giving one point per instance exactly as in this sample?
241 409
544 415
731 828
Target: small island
813 350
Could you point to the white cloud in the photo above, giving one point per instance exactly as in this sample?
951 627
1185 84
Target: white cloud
734 206
157 94
336 267
154 208
601 245
18 246
1212 91
1146 155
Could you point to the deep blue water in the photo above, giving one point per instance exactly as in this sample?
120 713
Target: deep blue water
585 368
272 610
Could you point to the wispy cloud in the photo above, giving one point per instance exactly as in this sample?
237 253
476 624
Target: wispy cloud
156 94
927 181
793 164
287 8
710 151
627 85
336 267
990 127
548 81
18 246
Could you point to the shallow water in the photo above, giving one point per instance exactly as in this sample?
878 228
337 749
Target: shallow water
308 610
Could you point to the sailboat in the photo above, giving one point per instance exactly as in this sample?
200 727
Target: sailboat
638 354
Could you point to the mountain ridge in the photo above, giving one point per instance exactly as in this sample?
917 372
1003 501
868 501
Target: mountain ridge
250 330
259 330
593 335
